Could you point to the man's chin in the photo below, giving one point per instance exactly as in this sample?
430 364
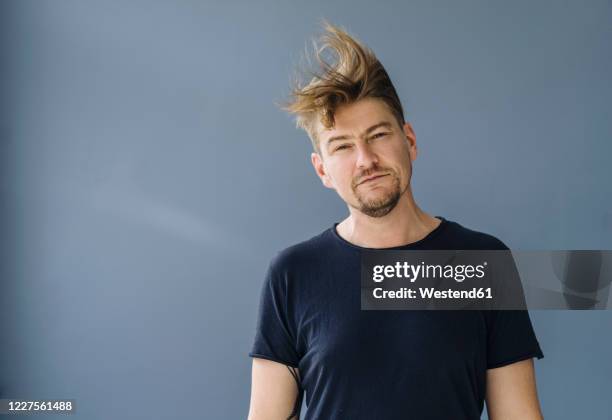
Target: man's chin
377 208
378 211
378 198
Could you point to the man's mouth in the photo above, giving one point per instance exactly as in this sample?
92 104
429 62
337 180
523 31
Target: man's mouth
371 178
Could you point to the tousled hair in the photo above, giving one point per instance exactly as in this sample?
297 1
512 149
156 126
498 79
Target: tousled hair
355 74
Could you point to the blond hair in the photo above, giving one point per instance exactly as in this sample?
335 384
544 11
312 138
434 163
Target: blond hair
355 74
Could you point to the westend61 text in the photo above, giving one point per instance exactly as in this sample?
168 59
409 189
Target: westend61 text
431 293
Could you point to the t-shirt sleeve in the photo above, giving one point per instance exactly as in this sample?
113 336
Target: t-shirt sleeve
510 334
274 335
510 338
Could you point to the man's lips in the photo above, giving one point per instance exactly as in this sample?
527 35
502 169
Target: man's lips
370 178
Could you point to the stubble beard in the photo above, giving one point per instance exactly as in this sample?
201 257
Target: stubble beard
380 206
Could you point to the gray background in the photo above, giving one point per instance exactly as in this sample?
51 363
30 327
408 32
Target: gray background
147 179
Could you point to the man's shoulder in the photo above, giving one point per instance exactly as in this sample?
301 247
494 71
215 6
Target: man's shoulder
462 237
302 253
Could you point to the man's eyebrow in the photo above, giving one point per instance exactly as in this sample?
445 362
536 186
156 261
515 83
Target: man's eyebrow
367 131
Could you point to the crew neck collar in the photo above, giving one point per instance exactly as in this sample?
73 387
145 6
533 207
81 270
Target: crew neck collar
428 237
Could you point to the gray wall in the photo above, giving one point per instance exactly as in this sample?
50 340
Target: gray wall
147 179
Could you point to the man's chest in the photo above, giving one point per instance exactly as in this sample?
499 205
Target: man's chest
334 332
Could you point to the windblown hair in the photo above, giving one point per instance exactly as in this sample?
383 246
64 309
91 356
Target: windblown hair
355 74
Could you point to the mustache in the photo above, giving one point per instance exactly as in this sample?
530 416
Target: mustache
367 174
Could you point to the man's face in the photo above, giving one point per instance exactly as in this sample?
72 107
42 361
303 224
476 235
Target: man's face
366 157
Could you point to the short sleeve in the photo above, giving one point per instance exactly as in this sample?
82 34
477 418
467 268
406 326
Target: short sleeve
510 334
274 337
510 338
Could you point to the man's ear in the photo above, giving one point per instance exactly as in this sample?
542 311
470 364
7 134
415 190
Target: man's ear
317 163
411 138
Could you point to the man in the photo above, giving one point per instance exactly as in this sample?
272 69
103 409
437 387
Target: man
311 334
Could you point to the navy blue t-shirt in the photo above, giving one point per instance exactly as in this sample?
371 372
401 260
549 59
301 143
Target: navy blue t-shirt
386 365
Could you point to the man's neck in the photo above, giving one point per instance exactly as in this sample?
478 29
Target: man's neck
403 225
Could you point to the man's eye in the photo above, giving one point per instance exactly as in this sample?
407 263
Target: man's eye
379 135
343 146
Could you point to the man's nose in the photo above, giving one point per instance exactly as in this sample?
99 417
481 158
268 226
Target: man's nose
366 156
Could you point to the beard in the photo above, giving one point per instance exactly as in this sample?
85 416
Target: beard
384 202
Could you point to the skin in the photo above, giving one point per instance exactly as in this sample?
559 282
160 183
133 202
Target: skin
382 214
273 391
343 164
